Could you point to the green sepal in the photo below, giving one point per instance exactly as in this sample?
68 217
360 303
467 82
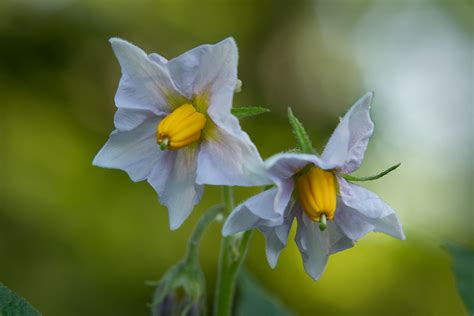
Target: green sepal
302 139
370 178
269 187
248 111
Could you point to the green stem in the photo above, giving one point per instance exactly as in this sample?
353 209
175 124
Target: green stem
192 248
232 254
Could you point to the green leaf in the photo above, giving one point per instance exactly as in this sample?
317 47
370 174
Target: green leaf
463 267
302 138
13 305
254 300
370 178
248 111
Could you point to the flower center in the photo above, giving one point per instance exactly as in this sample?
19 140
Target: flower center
180 128
317 193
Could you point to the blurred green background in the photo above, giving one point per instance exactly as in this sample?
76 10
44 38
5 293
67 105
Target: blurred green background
80 240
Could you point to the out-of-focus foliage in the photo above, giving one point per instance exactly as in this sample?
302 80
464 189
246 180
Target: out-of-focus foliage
13 305
80 240
463 266
254 300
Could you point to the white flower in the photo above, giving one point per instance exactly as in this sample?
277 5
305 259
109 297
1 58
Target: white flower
183 106
313 190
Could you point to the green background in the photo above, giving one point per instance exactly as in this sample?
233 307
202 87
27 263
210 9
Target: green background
80 240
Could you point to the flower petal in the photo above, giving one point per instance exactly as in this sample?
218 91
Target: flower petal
145 84
135 151
283 196
254 212
338 240
157 58
128 119
228 156
276 237
185 68
316 245
364 201
262 205
257 212
240 220
174 180
360 211
217 76
225 159
352 223
313 244
273 245
281 169
355 225
348 143
389 225
286 165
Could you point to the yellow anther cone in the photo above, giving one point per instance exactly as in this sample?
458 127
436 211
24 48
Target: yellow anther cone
317 193
180 128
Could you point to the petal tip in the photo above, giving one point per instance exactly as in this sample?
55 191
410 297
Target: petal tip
230 40
316 277
228 228
229 44
174 225
272 262
225 230
98 161
116 41
367 99
314 274
175 220
95 162
123 48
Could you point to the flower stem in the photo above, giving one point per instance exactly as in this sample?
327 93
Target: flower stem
192 248
232 254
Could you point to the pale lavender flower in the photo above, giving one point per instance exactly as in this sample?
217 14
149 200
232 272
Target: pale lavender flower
312 190
174 128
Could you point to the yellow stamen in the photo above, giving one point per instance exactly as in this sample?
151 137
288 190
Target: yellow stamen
317 193
180 128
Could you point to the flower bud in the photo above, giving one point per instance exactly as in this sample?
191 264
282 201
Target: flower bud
181 291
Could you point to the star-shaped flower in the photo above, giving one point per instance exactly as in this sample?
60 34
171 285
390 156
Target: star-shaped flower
332 213
174 126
